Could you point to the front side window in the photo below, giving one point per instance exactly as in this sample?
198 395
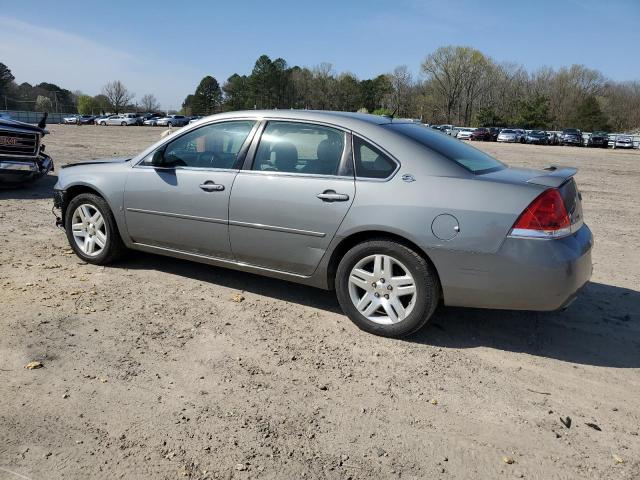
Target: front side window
370 161
299 148
211 146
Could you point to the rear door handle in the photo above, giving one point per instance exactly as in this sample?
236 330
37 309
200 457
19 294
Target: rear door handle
332 196
210 186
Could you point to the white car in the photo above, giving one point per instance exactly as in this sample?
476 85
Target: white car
623 141
464 133
72 120
122 119
508 135
173 121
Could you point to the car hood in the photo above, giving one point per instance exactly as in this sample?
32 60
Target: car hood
98 161
5 122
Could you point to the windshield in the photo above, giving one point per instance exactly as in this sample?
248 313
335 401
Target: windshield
507 131
464 155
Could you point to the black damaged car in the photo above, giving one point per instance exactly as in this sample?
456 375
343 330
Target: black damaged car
22 157
571 136
598 139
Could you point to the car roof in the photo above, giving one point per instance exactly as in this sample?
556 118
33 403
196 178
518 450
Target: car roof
344 119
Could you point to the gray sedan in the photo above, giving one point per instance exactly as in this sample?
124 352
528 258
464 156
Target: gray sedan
395 217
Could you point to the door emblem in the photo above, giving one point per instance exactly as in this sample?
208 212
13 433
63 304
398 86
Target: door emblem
407 177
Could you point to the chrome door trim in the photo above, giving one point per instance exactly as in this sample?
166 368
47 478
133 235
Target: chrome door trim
274 228
178 215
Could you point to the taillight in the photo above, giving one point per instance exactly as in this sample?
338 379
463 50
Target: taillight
545 217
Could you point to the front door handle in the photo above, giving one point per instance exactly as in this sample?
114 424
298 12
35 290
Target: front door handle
332 196
210 186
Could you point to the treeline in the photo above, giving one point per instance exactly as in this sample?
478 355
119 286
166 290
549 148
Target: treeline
49 97
457 85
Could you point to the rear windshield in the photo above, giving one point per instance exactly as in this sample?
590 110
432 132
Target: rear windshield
468 157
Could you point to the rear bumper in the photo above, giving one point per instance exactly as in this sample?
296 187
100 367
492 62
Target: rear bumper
525 274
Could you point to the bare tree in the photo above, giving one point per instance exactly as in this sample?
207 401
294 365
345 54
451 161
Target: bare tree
445 69
117 94
149 103
401 90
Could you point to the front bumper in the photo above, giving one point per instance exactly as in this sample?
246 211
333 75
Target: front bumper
507 140
525 274
24 170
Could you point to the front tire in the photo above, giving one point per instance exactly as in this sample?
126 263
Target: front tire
387 288
91 230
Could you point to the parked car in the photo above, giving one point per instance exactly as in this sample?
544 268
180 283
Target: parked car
552 138
393 216
70 120
151 122
495 131
79 119
598 139
571 136
447 129
623 141
464 133
522 134
22 156
482 134
122 119
508 135
538 137
173 121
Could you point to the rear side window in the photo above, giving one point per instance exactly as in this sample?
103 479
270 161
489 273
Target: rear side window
370 161
464 155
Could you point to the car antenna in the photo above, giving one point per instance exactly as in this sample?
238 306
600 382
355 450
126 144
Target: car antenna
392 113
43 121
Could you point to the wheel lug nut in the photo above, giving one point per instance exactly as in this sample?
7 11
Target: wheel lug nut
376 294
374 285
389 287
382 280
386 296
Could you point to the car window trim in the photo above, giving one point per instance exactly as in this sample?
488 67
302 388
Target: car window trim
391 157
241 153
343 166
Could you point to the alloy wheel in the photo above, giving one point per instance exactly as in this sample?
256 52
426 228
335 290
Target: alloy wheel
382 289
89 229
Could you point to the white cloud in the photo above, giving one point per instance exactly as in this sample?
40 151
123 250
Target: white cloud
38 54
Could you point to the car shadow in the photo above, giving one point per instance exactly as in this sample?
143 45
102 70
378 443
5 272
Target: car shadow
234 279
38 190
601 328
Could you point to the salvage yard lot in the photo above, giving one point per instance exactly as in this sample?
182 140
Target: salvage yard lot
154 369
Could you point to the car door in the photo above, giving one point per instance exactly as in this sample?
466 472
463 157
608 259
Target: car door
178 196
288 202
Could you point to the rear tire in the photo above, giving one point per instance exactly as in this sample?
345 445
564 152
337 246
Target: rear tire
406 291
105 232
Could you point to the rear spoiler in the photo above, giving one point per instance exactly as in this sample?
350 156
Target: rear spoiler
556 176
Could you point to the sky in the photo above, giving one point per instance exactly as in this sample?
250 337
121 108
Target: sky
166 47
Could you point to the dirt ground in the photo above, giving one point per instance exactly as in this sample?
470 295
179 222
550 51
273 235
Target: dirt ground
152 371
